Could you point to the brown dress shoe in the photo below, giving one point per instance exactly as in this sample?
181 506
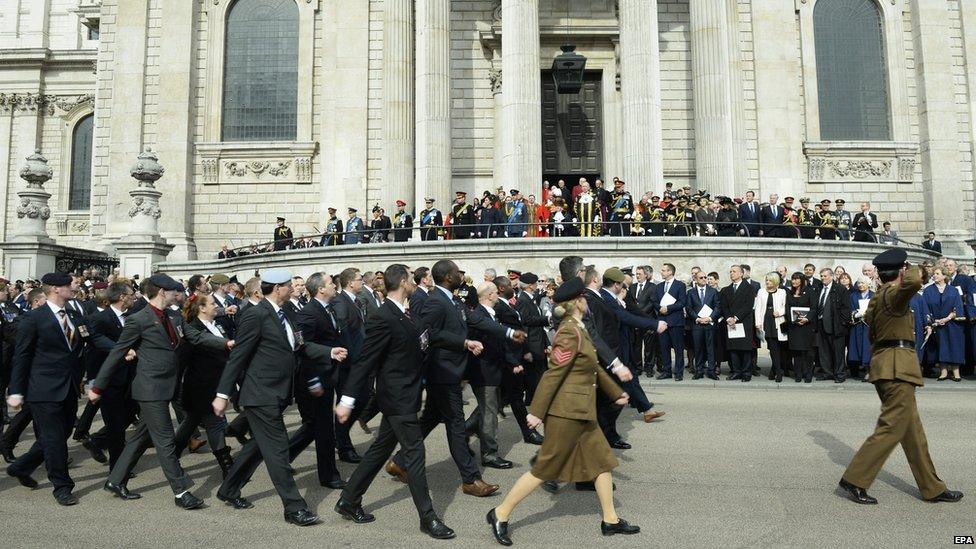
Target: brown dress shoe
479 488
195 444
397 472
650 415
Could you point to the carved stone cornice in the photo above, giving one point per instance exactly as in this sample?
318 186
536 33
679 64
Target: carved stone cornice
256 162
42 103
860 161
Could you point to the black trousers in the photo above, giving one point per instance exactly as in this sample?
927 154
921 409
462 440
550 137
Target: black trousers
269 442
803 364
513 391
343 441
317 426
778 354
83 425
606 416
444 404
405 430
52 426
533 373
18 424
704 339
155 426
741 363
832 356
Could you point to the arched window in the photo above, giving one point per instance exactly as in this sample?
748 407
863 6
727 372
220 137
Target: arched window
261 71
851 75
79 194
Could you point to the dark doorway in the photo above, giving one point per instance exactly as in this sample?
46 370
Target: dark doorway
572 131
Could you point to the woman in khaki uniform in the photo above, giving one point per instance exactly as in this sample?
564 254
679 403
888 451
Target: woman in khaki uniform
575 449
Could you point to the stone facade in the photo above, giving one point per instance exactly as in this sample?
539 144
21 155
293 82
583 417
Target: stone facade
153 78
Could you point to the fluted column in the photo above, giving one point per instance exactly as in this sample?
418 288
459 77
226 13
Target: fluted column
711 65
398 82
433 170
640 87
521 93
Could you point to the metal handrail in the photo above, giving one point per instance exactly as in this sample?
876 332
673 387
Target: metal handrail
502 230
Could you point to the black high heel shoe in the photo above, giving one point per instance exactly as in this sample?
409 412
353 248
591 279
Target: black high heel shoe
956 379
942 378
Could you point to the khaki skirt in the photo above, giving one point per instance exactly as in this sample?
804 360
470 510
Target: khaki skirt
574 450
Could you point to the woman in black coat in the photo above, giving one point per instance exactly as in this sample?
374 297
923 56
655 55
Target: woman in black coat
799 328
203 368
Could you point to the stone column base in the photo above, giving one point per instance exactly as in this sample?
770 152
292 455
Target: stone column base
29 257
137 256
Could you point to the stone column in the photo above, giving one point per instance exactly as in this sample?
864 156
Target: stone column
398 82
521 94
142 247
711 64
640 88
498 171
938 132
433 171
30 252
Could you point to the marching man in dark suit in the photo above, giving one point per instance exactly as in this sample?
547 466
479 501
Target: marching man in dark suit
46 366
395 348
282 236
264 360
895 373
156 336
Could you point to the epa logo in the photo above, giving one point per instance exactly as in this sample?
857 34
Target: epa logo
963 540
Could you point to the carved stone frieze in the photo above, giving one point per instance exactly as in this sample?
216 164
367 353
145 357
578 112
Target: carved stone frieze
43 103
32 209
272 162
860 162
860 169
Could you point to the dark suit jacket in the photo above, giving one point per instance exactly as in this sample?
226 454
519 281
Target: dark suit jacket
202 366
749 218
107 324
836 310
508 317
771 222
486 368
317 327
263 359
392 352
368 297
351 325
157 372
695 304
417 300
644 299
45 368
676 311
933 245
604 321
137 306
447 322
740 304
535 323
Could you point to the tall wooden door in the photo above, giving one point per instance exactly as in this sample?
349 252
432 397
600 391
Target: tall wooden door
572 130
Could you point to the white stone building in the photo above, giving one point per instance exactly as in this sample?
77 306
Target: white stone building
260 108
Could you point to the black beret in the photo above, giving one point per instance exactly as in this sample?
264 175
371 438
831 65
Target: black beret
569 290
528 278
890 259
164 282
56 279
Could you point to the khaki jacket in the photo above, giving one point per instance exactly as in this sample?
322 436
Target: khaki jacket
568 388
888 317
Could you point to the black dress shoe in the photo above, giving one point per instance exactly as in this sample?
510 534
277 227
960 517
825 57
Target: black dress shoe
778 379
857 494
620 445
499 529
550 486
436 529
66 499
956 379
240 502
589 486
188 501
534 438
497 463
8 455
349 456
25 480
679 378
745 379
352 512
622 527
949 496
697 376
96 453
733 377
301 517
120 491
663 376
713 376
337 484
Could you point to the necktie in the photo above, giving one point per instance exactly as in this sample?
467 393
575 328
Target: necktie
283 321
328 312
640 288
735 287
701 295
823 298
362 309
667 286
69 334
170 331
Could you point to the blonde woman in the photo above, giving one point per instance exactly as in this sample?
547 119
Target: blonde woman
770 317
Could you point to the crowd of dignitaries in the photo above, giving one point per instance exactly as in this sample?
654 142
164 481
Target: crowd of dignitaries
589 209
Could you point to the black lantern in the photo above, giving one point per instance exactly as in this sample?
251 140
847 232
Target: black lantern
567 70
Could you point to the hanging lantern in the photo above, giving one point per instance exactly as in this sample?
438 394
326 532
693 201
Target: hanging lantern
567 70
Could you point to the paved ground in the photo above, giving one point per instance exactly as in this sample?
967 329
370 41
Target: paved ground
731 465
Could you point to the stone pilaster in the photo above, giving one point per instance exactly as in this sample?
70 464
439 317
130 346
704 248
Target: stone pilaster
433 170
640 86
398 104
938 134
711 64
521 94
498 169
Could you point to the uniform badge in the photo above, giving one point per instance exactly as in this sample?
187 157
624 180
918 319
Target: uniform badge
83 330
179 331
425 341
299 340
561 356
221 330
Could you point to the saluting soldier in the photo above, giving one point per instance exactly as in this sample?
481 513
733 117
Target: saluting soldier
896 373
333 230
402 223
621 210
430 220
462 216
282 236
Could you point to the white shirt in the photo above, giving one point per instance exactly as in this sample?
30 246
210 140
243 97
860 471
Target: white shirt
491 312
57 314
446 292
296 303
399 305
118 314
291 334
211 327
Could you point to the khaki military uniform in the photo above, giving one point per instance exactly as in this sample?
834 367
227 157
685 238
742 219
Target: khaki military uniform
895 373
574 449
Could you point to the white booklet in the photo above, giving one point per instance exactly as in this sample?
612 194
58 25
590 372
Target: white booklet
705 312
737 331
668 300
862 306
